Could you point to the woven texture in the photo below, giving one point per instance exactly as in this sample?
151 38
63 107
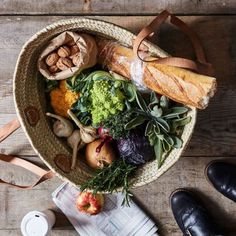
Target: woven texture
28 91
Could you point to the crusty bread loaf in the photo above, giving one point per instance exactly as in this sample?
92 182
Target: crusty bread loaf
181 85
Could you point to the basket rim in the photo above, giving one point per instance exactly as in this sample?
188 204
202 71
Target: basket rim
22 121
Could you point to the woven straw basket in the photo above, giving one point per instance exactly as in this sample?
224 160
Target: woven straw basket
29 96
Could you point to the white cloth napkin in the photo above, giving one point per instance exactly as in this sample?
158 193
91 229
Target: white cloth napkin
114 220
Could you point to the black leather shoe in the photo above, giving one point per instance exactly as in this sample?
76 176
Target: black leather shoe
191 216
222 175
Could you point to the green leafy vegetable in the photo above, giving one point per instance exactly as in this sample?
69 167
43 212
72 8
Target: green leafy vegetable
79 83
111 177
163 126
102 96
116 125
50 85
138 120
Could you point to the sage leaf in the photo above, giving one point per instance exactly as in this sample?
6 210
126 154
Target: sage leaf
157 112
169 140
158 152
166 146
175 112
128 105
149 128
179 110
164 102
177 142
180 122
141 102
163 158
153 98
156 129
152 138
160 136
138 120
163 124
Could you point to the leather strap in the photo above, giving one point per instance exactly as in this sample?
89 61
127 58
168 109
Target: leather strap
5 131
201 65
8 129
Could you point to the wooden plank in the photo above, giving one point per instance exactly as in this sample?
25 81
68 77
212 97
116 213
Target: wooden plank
154 197
213 31
122 7
212 136
215 130
21 29
17 232
187 173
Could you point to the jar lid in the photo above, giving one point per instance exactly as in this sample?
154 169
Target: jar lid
35 223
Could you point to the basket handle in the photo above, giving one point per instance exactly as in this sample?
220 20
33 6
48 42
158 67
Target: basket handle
201 65
7 130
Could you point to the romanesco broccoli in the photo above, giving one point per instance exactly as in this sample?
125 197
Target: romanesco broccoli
106 99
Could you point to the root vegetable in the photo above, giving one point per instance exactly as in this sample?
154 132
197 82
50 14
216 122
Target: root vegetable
62 127
88 133
97 158
76 143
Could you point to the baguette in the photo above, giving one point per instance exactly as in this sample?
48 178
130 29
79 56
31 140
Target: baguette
180 85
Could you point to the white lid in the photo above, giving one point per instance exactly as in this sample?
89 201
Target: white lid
35 223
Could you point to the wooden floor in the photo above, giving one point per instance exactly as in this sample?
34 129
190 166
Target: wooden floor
215 132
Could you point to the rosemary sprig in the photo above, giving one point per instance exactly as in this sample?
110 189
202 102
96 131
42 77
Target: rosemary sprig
112 177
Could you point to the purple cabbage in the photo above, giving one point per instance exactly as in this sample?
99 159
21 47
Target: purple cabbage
135 149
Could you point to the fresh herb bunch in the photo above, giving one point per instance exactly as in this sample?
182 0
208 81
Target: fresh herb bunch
116 125
50 85
163 123
76 83
110 178
83 83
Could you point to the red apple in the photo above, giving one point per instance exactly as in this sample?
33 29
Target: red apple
90 203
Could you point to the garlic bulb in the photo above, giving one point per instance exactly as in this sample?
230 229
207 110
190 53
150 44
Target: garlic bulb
62 127
88 133
76 143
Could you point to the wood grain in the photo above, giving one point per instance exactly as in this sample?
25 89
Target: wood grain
187 173
154 197
17 232
215 130
121 7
